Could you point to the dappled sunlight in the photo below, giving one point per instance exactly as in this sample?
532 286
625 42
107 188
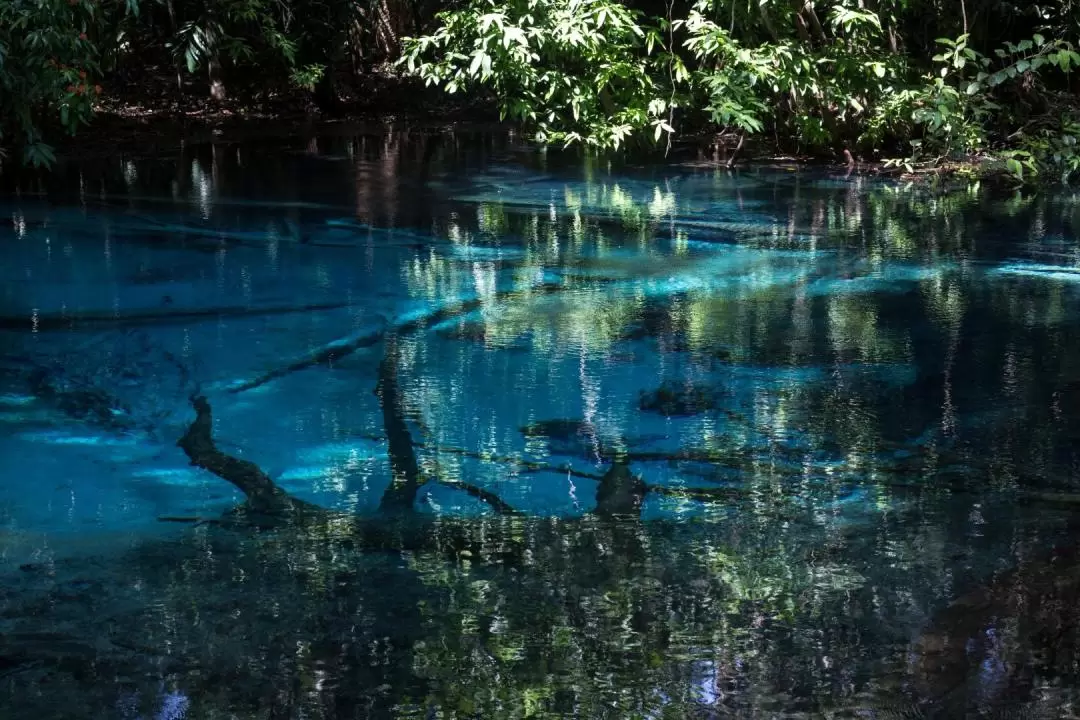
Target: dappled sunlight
583 442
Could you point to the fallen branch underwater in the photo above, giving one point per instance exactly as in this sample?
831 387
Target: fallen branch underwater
49 322
343 347
405 480
262 493
264 496
619 493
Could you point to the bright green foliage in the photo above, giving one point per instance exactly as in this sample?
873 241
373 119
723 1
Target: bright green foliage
48 70
956 105
587 71
816 85
920 81
813 75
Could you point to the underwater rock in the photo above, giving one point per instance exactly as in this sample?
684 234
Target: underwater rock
474 331
89 404
561 429
680 400
569 437
620 492
653 321
120 381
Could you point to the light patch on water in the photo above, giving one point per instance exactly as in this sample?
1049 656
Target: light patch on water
481 252
12 400
62 438
1045 272
338 452
307 472
168 476
707 282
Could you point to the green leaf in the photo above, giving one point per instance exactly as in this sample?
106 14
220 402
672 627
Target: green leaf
477 61
1039 39
517 35
972 88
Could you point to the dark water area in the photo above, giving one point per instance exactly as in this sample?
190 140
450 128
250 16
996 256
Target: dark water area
658 441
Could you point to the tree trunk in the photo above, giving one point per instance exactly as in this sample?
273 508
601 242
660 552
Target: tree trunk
400 496
325 94
217 84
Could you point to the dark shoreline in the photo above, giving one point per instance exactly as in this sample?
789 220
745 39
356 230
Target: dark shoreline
131 125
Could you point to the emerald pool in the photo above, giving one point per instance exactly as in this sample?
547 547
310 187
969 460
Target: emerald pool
547 437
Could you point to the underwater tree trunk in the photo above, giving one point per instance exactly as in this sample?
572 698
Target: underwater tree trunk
346 346
325 93
262 493
400 496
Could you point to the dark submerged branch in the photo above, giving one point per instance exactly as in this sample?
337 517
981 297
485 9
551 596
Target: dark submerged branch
497 504
45 323
327 353
401 493
262 493
518 463
343 347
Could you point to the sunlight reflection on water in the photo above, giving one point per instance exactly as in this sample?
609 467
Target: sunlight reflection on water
847 404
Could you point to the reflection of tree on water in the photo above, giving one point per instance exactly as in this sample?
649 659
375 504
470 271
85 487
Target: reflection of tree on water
825 463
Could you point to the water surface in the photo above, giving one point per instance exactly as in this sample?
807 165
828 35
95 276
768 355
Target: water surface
853 406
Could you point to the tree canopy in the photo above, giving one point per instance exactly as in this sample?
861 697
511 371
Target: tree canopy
907 82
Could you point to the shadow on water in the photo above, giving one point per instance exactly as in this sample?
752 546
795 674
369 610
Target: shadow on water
433 426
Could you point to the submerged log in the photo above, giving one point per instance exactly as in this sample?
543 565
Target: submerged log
400 495
500 506
268 505
327 353
45 323
343 347
266 498
262 493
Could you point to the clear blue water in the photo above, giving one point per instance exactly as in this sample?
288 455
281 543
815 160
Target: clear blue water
855 406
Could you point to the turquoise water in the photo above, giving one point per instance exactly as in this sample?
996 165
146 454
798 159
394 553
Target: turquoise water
852 406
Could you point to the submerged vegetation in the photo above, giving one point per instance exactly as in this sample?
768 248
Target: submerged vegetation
906 83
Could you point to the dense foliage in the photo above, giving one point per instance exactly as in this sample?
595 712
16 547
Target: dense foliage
907 81
934 80
48 62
